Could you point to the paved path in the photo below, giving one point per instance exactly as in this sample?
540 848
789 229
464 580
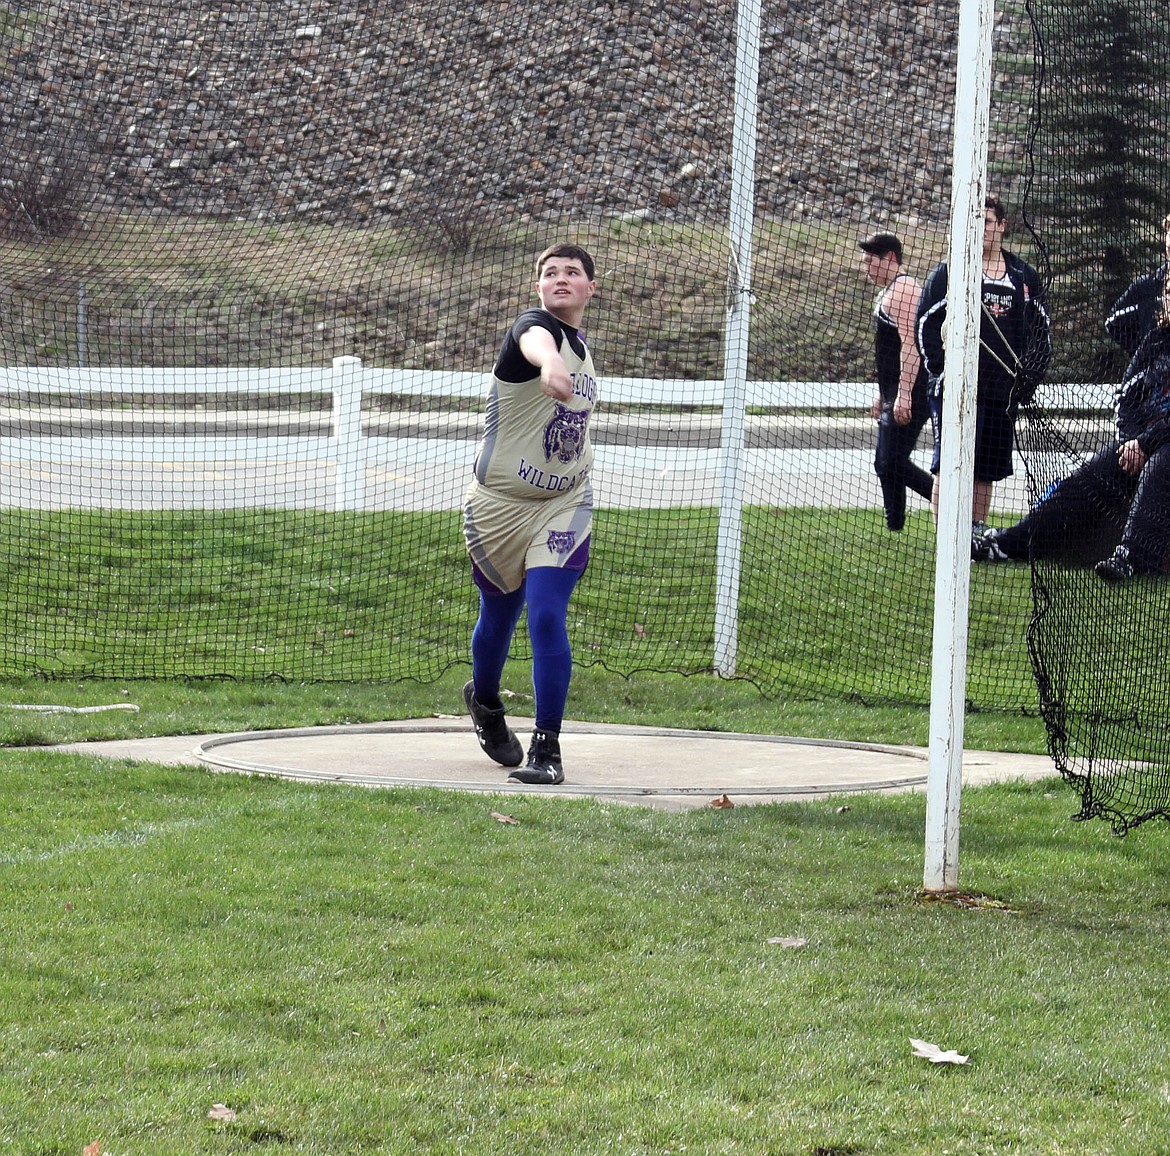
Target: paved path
671 769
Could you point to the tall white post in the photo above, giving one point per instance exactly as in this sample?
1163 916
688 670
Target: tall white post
948 688
729 544
349 453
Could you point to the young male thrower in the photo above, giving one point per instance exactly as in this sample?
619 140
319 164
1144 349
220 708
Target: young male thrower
528 513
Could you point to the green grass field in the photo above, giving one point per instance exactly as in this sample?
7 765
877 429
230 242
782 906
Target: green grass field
352 971
830 605
206 963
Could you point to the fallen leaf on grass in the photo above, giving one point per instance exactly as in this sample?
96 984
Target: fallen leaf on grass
722 802
935 1054
505 819
787 941
221 1112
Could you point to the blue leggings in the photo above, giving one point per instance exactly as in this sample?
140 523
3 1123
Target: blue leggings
546 589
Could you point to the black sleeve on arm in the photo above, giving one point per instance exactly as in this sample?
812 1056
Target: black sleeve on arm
1154 439
1036 355
1132 313
511 364
932 311
1145 393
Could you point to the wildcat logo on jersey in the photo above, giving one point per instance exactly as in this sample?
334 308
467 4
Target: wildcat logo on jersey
561 541
564 436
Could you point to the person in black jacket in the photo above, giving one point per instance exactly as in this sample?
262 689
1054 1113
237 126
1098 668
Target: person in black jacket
1015 348
1136 311
1126 482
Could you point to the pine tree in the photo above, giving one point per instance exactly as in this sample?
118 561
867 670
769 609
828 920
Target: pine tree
1102 182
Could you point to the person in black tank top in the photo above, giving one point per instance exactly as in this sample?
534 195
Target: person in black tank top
900 405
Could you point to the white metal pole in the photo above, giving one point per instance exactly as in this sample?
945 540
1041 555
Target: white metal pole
729 543
948 688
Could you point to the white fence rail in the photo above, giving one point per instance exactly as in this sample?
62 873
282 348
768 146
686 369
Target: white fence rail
349 373
92 452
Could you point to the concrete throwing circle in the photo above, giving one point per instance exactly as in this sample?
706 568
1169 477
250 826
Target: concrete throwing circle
638 764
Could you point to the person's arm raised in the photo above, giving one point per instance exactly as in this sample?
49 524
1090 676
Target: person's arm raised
540 348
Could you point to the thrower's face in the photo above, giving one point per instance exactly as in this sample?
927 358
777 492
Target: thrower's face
564 288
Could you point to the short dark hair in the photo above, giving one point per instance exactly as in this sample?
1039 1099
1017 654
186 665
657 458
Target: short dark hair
996 204
879 244
574 252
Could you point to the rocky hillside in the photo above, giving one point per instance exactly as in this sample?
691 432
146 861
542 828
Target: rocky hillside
362 110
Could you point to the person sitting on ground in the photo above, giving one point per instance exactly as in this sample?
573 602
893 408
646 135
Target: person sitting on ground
1126 483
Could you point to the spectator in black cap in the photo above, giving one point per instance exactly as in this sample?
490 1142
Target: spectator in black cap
900 405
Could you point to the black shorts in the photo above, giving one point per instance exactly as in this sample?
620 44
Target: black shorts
995 436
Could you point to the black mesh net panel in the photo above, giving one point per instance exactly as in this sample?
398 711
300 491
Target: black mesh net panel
259 258
207 207
1101 198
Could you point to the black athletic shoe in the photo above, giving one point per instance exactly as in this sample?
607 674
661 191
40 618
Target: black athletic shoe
498 740
543 768
986 548
1117 567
